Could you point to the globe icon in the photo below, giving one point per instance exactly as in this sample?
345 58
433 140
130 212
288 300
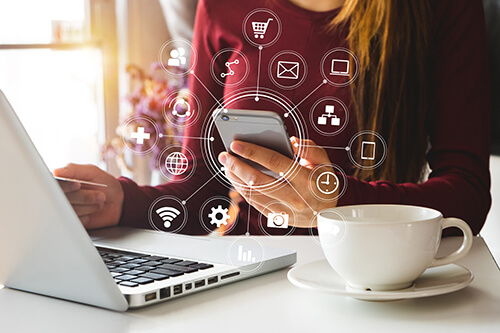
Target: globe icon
176 163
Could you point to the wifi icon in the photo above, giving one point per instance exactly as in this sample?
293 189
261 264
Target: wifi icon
168 214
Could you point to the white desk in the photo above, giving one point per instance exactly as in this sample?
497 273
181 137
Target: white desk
270 302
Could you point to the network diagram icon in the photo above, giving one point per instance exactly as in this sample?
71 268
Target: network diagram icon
323 119
230 71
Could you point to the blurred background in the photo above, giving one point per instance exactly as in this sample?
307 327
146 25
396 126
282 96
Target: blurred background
73 69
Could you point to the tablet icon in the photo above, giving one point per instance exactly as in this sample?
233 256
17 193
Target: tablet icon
288 70
368 150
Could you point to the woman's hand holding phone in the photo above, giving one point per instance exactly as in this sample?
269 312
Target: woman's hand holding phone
96 206
295 191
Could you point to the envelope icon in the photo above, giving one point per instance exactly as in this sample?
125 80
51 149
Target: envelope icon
288 70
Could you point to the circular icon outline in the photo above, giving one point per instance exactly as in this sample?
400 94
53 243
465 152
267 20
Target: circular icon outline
336 182
322 67
261 216
237 265
316 238
344 107
314 181
167 197
149 120
282 102
174 96
253 43
193 56
214 198
270 70
215 76
176 178
350 150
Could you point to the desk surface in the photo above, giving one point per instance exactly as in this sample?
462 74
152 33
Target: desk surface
270 302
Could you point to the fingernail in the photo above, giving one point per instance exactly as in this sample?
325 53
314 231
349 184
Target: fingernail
101 197
236 147
222 158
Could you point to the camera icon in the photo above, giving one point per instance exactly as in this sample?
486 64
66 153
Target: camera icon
277 220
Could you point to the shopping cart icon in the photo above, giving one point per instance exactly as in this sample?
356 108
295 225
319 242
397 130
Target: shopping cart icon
259 28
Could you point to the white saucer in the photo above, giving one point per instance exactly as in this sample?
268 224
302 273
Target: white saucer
319 276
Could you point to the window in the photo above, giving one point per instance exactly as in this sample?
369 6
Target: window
52 72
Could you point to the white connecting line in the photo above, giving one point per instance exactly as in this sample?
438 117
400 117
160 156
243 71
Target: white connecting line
215 175
312 92
197 78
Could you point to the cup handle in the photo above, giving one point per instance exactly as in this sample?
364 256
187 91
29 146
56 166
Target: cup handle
463 249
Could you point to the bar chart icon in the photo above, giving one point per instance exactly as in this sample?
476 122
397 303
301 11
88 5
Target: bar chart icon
245 256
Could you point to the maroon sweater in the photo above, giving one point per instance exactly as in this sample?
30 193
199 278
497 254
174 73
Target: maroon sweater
459 183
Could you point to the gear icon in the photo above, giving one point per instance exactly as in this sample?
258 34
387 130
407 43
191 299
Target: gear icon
219 216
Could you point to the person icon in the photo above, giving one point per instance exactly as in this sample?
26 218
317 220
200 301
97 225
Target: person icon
177 57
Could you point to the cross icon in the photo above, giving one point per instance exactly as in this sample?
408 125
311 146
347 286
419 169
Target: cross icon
140 135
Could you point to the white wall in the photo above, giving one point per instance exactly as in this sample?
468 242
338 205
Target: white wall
141 33
491 230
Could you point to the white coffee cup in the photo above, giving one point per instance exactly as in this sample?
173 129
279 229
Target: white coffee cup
386 247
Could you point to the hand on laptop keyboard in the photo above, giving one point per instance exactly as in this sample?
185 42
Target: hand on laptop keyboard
96 207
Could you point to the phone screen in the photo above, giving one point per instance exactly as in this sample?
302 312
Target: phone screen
263 128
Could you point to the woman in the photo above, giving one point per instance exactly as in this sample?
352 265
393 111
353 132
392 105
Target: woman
423 86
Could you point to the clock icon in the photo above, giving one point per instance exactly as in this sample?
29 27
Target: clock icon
327 182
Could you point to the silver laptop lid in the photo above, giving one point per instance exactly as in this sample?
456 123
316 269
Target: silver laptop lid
43 246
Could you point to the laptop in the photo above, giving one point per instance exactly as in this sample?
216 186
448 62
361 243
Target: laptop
44 248
340 67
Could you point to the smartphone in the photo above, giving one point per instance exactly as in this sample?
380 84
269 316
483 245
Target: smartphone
263 128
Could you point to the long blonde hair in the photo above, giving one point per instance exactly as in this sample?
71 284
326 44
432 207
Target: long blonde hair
392 93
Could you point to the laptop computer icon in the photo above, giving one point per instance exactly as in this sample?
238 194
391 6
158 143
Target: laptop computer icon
44 248
340 67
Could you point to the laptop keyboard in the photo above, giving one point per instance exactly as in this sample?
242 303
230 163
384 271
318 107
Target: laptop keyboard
132 269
